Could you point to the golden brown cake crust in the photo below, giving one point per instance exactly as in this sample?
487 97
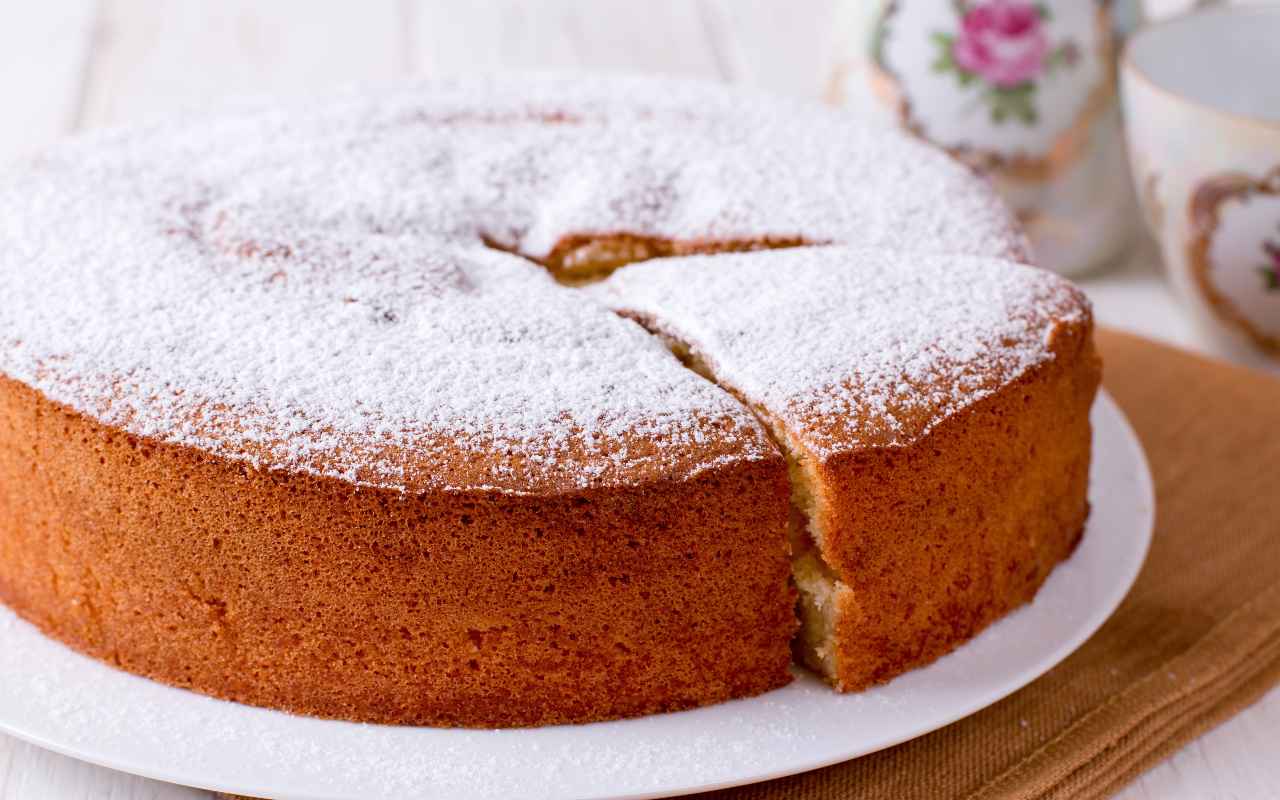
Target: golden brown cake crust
355 454
444 608
939 539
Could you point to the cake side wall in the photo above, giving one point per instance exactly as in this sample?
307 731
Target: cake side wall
938 540
313 596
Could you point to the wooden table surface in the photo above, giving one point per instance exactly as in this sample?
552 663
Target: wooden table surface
70 65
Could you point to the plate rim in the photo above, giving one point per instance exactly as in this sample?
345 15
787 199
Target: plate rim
1143 500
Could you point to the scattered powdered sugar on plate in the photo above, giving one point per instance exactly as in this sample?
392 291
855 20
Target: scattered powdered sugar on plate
307 288
849 347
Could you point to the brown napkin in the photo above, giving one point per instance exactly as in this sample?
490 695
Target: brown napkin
1197 639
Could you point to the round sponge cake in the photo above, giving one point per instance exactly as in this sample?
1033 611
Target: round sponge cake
300 407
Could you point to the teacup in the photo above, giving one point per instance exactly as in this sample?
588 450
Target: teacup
1022 90
1202 101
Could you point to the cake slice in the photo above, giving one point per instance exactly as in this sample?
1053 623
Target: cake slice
934 412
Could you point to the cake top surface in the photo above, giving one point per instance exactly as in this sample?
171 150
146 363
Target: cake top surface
852 348
308 288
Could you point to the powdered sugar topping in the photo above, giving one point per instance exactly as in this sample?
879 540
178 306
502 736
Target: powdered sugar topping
307 288
851 348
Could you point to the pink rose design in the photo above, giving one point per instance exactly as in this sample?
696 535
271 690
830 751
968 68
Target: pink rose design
1273 252
1272 270
1003 41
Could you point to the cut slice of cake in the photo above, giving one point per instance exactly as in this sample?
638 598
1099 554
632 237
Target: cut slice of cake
935 415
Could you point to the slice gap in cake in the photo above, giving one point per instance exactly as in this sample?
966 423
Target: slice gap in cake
818 587
582 259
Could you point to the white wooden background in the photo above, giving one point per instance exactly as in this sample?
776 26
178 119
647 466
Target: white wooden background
70 65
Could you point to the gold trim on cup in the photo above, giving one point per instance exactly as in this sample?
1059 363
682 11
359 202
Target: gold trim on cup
1203 208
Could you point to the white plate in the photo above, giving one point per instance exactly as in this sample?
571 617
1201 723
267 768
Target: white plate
58 699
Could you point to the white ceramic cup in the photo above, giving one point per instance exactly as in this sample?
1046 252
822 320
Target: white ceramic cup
1202 100
1022 90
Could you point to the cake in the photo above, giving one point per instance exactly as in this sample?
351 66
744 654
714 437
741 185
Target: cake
337 409
934 413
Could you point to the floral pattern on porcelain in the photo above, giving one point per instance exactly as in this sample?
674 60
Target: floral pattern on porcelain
1022 90
1271 269
1004 46
1014 87
1233 253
